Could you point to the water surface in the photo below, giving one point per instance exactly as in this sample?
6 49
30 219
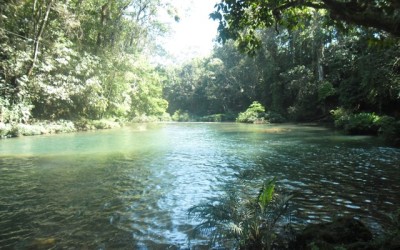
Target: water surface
131 187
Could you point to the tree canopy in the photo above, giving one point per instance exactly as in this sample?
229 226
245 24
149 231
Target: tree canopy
240 19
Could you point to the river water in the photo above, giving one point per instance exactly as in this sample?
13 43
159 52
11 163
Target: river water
130 188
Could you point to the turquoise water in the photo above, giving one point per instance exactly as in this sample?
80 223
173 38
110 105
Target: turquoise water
130 188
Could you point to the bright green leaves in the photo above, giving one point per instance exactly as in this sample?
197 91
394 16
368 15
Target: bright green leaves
267 194
255 113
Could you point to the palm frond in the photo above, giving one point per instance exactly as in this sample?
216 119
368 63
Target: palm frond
247 218
267 193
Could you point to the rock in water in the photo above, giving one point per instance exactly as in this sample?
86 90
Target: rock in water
345 232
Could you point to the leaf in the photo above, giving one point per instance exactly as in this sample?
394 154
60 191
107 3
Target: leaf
267 193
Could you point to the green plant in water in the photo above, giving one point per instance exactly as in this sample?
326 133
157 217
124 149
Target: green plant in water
241 221
266 194
255 113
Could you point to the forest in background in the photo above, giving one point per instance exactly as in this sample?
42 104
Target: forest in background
90 60
79 59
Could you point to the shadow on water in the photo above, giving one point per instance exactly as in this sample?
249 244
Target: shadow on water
132 187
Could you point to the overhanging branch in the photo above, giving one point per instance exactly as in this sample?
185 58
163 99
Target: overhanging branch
366 14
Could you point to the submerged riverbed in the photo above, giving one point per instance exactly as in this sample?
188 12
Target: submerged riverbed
132 187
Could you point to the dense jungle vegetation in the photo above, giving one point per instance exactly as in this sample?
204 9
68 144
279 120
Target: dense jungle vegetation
301 60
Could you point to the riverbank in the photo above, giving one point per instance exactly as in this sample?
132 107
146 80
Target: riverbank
9 130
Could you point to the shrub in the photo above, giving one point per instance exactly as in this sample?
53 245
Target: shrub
274 117
340 117
212 118
356 124
368 123
38 128
255 113
362 123
85 124
165 117
145 119
19 113
389 130
105 124
4 128
181 116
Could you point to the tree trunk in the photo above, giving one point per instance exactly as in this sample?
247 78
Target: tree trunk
39 36
103 23
320 69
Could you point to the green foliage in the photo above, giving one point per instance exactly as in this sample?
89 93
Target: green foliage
19 113
146 91
368 123
90 62
37 128
360 123
240 20
340 117
301 87
254 113
266 194
300 75
325 90
180 116
86 124
79 60
145 119
240 220
389 130
274 117
212 118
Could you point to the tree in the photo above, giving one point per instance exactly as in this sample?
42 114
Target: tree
240 19
74 59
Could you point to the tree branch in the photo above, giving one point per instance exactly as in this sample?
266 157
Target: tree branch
365 14
39 36
355 12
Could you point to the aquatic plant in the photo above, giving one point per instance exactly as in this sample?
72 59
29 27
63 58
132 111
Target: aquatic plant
239 221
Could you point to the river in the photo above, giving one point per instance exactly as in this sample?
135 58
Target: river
130 188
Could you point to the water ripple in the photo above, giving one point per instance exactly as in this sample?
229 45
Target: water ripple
131 188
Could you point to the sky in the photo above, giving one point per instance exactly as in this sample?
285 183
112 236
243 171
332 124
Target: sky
194 34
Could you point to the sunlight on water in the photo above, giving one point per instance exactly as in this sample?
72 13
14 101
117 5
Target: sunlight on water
132 187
